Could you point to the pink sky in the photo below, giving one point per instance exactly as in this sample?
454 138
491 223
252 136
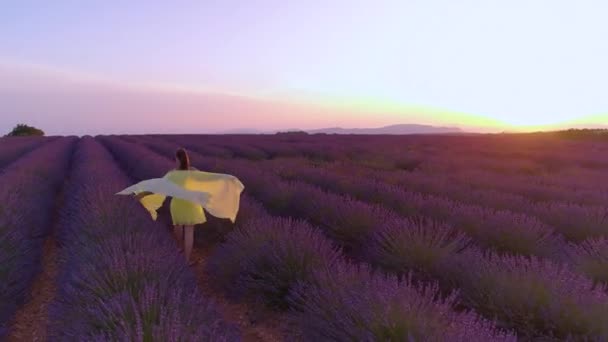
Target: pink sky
73 103
158 66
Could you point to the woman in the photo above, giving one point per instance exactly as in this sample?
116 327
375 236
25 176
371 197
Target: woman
191 191
184 214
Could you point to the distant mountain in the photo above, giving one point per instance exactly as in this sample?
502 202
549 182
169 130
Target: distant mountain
392 129
242 131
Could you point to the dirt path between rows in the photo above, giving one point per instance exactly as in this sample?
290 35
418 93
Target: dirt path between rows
31 321
254 329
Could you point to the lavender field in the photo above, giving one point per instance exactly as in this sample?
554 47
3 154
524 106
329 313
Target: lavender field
338 238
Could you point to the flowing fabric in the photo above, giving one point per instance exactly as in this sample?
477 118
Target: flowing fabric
218 193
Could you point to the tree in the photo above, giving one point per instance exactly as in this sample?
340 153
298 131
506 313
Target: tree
24 130
292 133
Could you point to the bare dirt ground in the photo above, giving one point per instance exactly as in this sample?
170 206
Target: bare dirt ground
31 321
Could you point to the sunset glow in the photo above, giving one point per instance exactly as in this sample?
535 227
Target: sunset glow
265 65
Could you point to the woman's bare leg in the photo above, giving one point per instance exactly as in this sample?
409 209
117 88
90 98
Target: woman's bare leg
178 232
188 241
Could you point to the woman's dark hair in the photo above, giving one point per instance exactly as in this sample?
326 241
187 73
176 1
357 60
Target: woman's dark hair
184 160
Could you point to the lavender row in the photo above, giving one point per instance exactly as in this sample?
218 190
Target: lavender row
500 230
566 186
459 156
351 221
542 152
140 163
283 197
511 154
110 285
285 263
575 222
578 217
398 246
534 192
442 161
494 162
137 161
588 255
572 187
558 183
28 190
276 287
291 267
263 147
212 150
13 148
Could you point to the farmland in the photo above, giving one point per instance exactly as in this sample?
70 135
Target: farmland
338 238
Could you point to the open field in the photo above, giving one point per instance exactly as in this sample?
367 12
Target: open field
339 238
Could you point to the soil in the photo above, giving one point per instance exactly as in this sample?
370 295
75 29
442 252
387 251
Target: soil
31 321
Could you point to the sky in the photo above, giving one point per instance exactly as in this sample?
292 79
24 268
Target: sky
113 67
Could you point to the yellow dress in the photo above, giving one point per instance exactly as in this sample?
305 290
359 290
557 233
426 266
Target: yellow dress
184 212
191 192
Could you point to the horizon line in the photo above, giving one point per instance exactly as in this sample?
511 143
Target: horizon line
279 131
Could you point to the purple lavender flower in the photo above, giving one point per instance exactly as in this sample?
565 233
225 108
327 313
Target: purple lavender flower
591 258
121 277
350 303
400 246
576 222
28 188
15 147
265 257
533 295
